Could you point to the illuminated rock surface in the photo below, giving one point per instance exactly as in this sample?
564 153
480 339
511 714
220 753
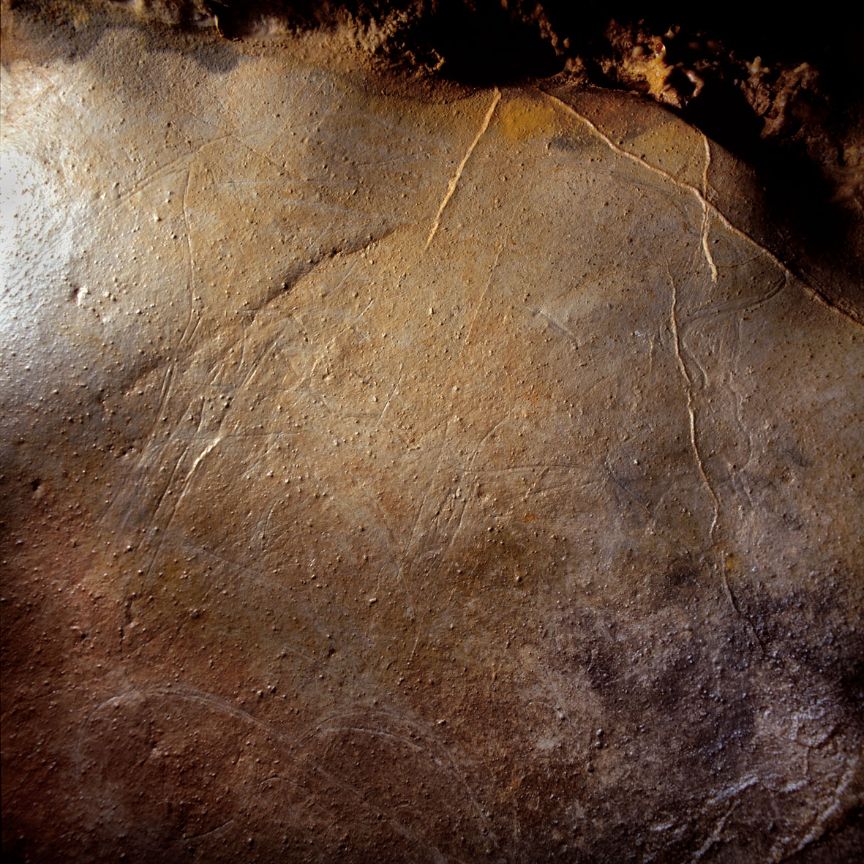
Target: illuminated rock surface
404 473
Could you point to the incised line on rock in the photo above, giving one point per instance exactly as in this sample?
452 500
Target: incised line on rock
454 180
691 409
707 206
705 212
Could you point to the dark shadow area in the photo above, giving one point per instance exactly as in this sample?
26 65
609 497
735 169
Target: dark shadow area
481 44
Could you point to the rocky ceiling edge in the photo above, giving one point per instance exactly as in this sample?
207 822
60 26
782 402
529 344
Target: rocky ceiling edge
395 470
780 88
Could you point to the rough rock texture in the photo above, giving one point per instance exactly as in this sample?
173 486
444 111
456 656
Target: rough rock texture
781 87
405 473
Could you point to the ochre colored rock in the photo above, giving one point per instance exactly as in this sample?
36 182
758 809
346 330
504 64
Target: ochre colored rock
401 473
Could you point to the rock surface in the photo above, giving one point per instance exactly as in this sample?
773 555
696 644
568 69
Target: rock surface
402 473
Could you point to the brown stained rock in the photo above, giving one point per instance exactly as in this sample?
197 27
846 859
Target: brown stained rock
400 474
